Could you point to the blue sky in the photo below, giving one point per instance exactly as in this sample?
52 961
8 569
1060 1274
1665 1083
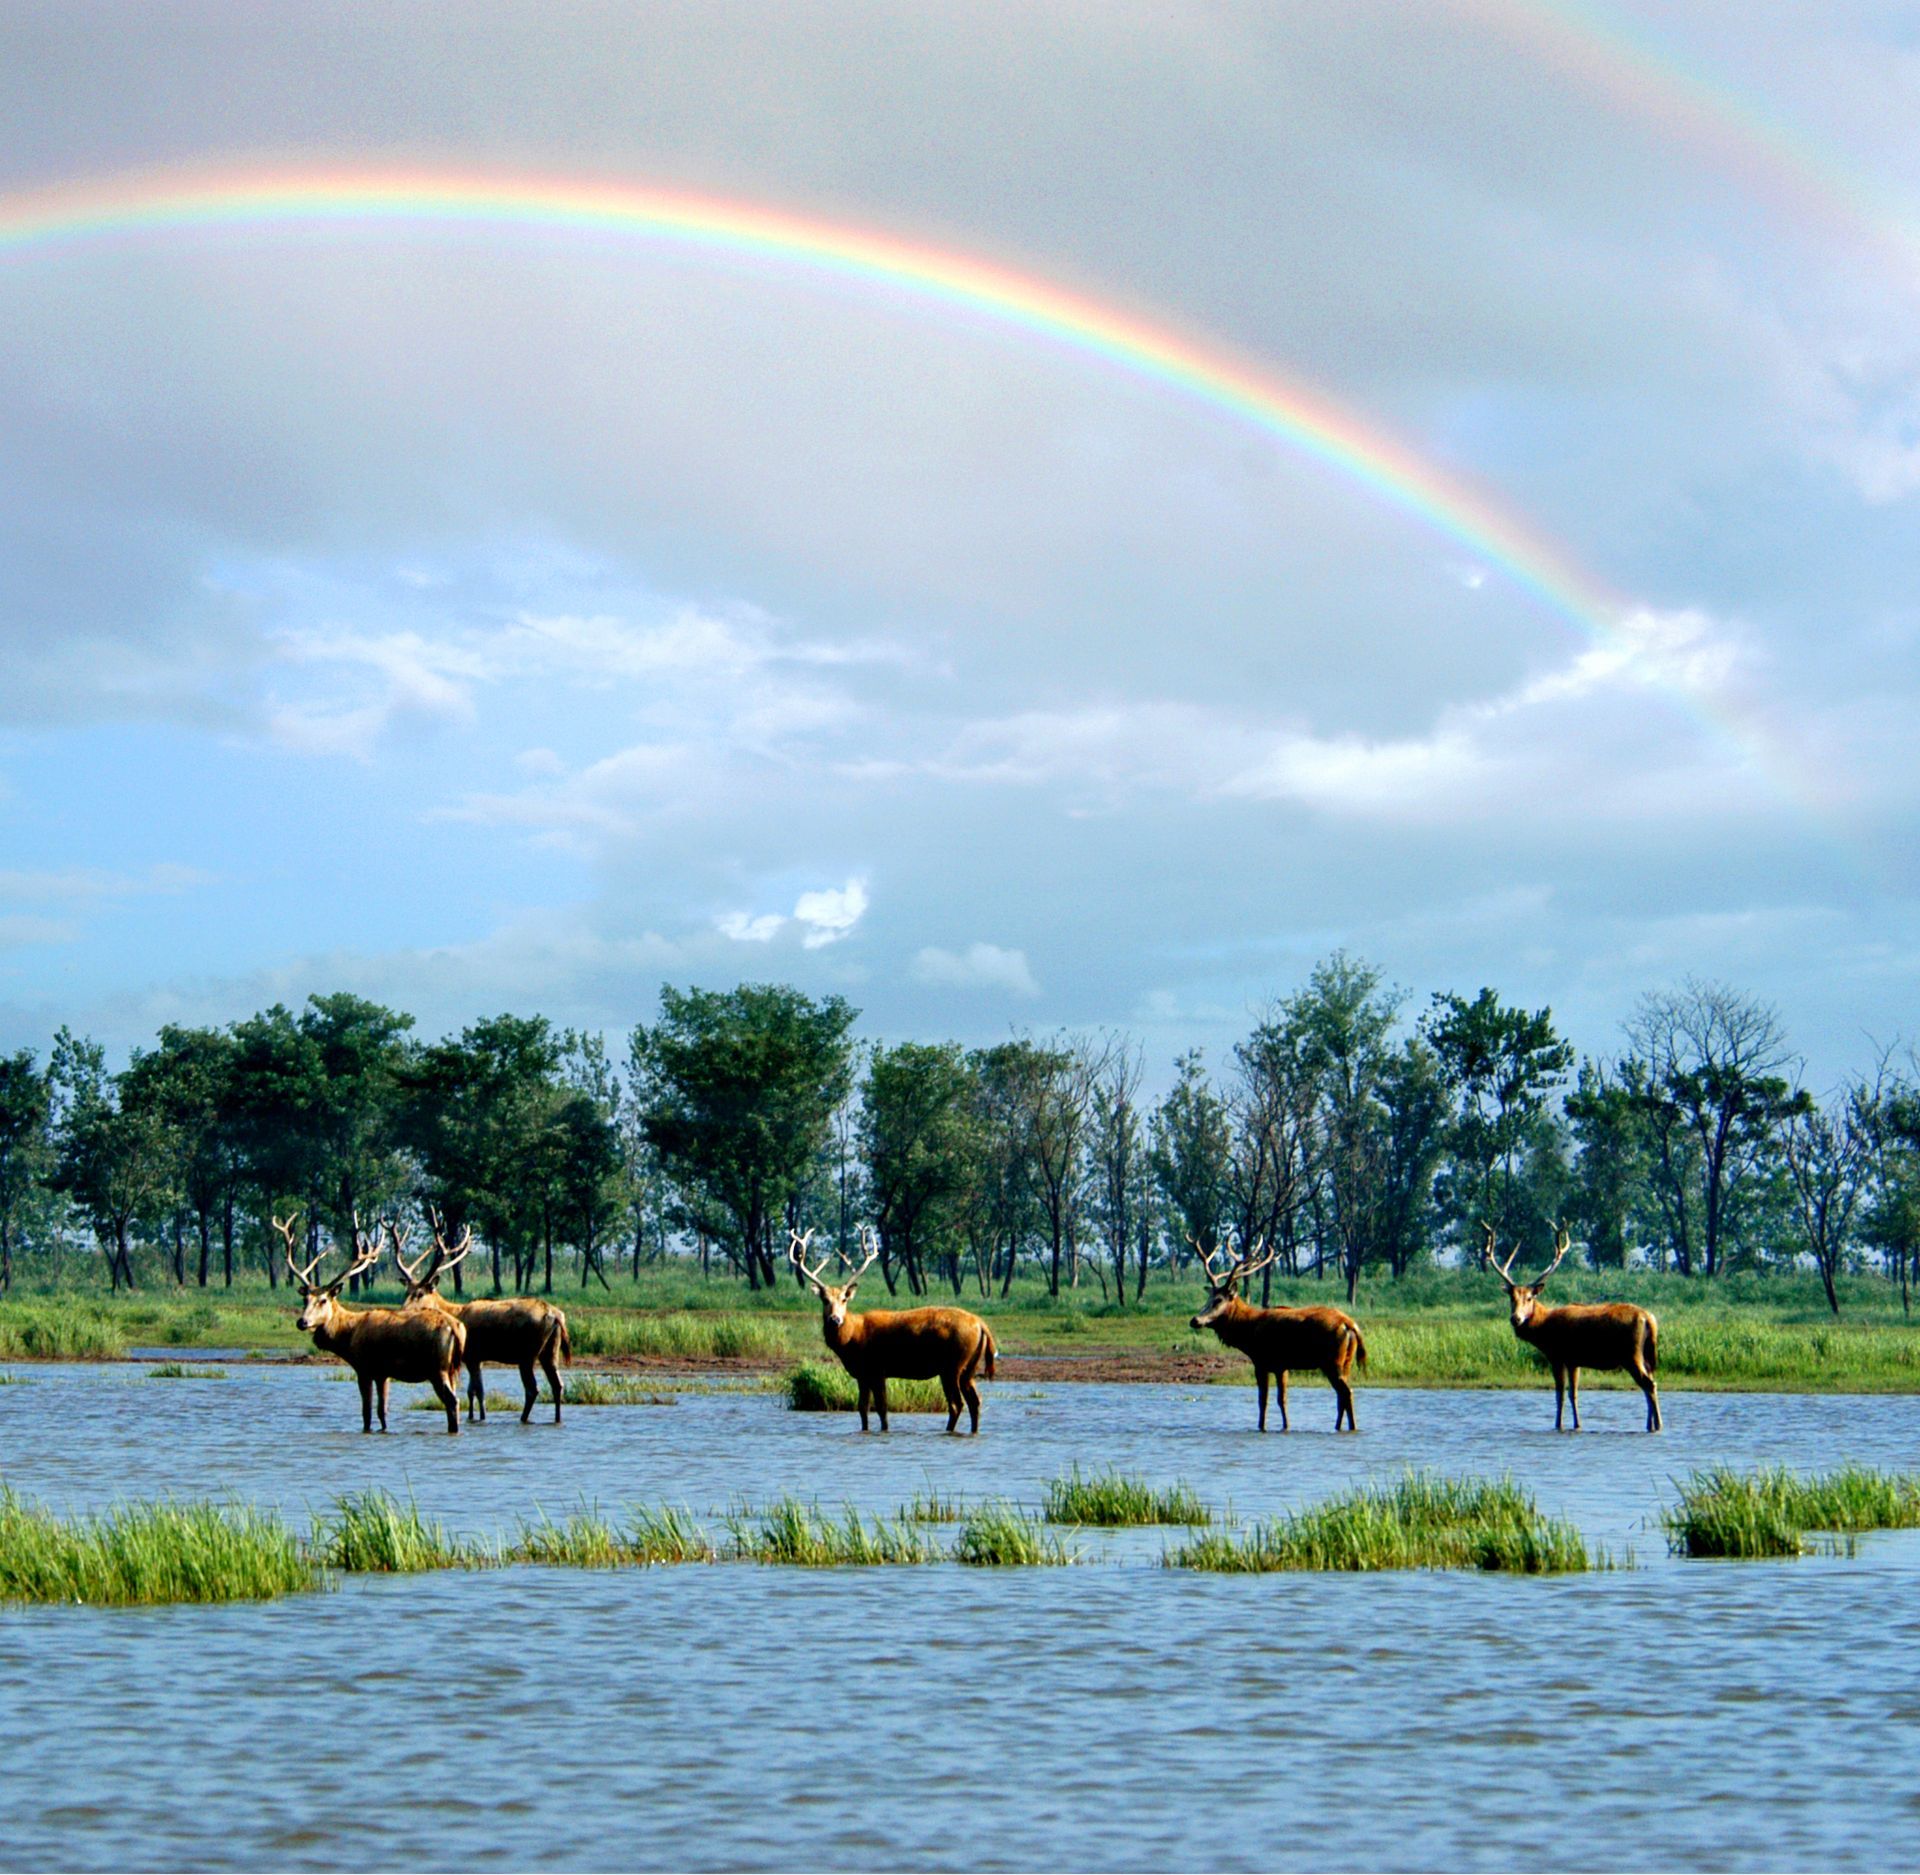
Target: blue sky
517 622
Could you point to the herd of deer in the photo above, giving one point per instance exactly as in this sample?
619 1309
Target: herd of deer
430 1339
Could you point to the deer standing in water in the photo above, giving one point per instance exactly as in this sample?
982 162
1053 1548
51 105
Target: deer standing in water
380 1345
515 1331
1581 1334
946 1344
1277 1339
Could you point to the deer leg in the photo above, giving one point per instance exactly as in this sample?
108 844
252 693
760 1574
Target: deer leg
971 1394
532 1387
1286 1425
1260 1374
880 1400
366 1401
1559 1396
476 1392
384 1384
952 1391
1342 1400
866 1393
443 1387
1573 1395
1645 1382
554 1381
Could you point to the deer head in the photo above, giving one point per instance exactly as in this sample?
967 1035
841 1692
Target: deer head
318 1300
1524 1298
1224 1277
833 1301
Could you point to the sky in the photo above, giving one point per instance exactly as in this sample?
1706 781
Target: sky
488 616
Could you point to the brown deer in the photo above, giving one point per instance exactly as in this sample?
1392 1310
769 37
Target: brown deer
1581 1334
380 1345
514 1331
1277 1339
946 1344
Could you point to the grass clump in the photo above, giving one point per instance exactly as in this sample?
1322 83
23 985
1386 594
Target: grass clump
58 1331
1112 1500
614 1390
1422 1522
141 1555
665 1535
931 1507
801 1534
374 1533
584 1541
179 1370
1002 1536
827 1387
1770 1511
732 1337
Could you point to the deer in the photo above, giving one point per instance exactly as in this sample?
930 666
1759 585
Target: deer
380 1345
1276 1339
947 1344
515 1331
1581 1334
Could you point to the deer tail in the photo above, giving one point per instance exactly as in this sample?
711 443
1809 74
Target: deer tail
1359 1346
986 1350
565 1339
1653 1342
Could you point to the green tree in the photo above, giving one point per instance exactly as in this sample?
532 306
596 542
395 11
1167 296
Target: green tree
917 1131
738 1090
187 1079
1611 1169
1192 1144
1502 1066
26 1147
1119 1196
1829 1154
114 1156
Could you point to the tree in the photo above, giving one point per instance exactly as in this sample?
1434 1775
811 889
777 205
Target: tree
26 1146
1892 1220
1611 1169
1501 1066
1190 1155
114 1156
188 1081
1715 1098
1829 1155
1276 1142
593 1187
1056 1093
1003 1210
1412 1135
917 1129
1119 1183
738 1090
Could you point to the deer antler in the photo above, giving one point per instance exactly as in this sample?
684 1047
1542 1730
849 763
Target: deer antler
797 1256
366 1253
289 1229
1245 1267
1562 1243
1503 1270
446 1256
397 1241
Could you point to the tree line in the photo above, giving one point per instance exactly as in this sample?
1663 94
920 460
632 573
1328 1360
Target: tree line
1347 1132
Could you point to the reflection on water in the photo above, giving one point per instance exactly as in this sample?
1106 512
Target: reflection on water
1709 1715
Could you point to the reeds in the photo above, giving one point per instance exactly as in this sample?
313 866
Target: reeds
1000 1535
58 1331
1112 1500
827 1387
372 1532
1422 1522
614 1390
931 1507
681 1337
802 1534
142 1554
179 1370
1770 1512
587 1540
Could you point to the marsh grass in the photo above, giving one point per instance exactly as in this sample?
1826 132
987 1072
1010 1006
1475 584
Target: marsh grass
59 1330
931 1507
177 1370
1002 1536
803 1535
661 1534
144 1554
730 1337
1107 1498
373 1532
16 1380
1771 1511
827 1387
584 1541
614 1390
1422 1522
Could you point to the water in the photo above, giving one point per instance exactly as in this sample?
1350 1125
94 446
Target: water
1710 1715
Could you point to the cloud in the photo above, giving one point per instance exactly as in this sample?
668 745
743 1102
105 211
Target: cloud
978 967
745 930
91 885
830 915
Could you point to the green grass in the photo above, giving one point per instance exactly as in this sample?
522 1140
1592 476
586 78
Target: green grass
931 1507
374 1533
614 1390
1422 1522
804 1535
586 1540
729 1337
139 1555
177 1370
59 1331
1770 1512
1002 1536
1110 1499
827 1387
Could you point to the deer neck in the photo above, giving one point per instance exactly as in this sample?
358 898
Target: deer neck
331 1335
1234 1321
1538 1326
847 1335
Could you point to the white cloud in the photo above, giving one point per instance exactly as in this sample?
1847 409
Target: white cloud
830 915
978 967
87 884
745 930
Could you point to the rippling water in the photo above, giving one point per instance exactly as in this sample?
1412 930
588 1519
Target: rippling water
1712 1715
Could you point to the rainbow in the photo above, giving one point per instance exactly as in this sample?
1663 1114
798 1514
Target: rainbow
123 208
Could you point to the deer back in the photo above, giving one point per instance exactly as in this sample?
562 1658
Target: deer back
909 1344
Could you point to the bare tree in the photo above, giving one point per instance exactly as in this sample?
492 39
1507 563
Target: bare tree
1830 1153
1119 1184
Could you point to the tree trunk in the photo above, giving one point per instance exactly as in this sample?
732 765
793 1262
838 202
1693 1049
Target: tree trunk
206 1245
226 1235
